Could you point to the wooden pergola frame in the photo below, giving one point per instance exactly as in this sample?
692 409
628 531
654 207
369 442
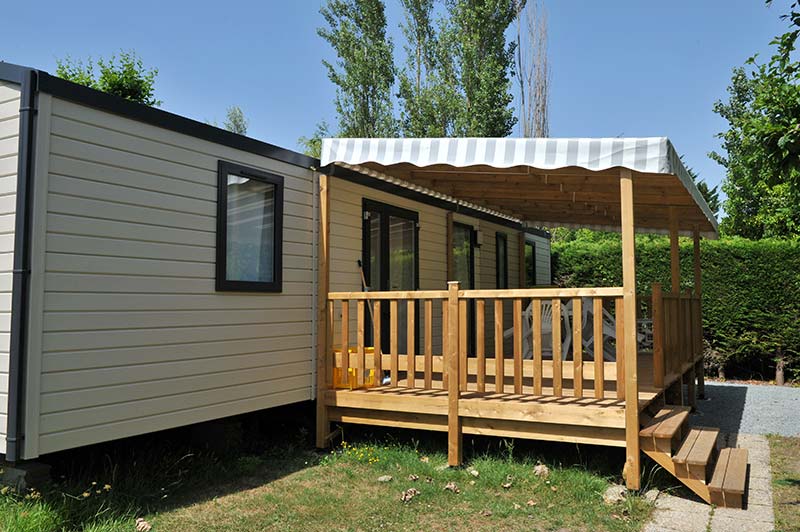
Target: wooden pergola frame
614 199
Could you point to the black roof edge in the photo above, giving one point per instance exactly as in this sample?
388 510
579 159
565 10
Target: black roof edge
539 232
156 117
363 179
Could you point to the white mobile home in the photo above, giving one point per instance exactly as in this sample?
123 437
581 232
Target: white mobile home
159 272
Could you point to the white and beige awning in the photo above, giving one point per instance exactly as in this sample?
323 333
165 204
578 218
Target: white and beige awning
554 182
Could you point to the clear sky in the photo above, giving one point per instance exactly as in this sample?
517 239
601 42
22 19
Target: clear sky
620 68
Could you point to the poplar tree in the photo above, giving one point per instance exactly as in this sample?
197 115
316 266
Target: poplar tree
364 71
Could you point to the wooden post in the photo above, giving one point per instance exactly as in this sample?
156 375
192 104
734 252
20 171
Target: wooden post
523 275
323 280
632 464
698 290
674 252
449 238
454 436
658 337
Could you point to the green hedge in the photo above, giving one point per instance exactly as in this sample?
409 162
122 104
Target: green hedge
751 293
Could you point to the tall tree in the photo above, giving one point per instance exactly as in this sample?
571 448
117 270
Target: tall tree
124 75
762 143
533 69
235 121
428 98
710 194
312 146
484 64
364 71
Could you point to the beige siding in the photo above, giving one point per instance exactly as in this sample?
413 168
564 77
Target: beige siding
134 337
542 259
9 142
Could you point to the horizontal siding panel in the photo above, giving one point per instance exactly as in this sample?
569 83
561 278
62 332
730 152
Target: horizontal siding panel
9 146
109 339
108 395
8 173
122 429
79 321
10 127
104 303
84 225
166 353
115 247
102 415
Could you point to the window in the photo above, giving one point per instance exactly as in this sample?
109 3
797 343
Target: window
530 264
501 260
249 229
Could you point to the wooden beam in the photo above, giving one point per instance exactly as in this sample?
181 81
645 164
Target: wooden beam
454 434
449 244
324 377
674 252
632 466
523 277
698 286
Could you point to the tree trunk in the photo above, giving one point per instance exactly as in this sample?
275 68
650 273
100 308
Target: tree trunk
779 369
721 372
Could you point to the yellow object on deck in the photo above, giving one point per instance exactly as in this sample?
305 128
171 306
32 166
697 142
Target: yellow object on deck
350 379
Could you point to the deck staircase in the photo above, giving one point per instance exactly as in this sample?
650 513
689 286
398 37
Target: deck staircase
691 455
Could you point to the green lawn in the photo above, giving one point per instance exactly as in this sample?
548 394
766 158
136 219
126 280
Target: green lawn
289 486
785 481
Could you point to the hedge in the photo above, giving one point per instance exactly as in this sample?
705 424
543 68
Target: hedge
751 293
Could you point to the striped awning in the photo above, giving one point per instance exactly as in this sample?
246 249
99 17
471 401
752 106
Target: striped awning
648 157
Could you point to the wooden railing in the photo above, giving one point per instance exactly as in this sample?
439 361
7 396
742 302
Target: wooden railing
424 326
677 332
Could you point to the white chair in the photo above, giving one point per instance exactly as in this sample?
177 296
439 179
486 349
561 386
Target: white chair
547 329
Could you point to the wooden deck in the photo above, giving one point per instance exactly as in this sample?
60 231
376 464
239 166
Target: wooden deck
587 400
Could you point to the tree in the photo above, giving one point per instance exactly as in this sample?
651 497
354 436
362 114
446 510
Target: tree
312 146
762 143
710 194
475 34
124 76
429 99
533 69
235 121
364 72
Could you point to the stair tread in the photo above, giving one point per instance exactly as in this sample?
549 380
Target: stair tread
704 446
686 447
730 474
666 422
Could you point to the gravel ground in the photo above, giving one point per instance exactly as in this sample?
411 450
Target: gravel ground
750 409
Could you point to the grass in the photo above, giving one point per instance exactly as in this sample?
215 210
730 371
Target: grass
785 481
276 481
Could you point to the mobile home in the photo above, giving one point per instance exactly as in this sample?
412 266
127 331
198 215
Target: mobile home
160 272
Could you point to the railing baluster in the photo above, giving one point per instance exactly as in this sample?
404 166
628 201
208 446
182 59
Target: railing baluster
536 308
599 362
619 325
657 316
411 348
361 358
480 307
376 343
557 369
517 346
499 361
395 356
330 365
445 337
428 371
345 342
577 346
462 343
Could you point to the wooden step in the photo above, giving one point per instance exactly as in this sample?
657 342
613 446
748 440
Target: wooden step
696 453
729 480
664 429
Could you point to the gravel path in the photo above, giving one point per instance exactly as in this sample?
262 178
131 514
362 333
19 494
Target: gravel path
750 409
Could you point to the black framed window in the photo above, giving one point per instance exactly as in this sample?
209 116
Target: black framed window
530 264
501 260
249 229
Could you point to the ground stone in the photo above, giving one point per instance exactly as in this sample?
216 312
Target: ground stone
614 494
385 478
651 495
24 475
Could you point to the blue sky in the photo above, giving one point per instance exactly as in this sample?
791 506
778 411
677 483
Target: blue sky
629 68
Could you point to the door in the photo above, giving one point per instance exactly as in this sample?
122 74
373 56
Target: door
464 272
391 261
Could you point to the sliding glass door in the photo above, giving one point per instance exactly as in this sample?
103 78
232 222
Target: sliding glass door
391 261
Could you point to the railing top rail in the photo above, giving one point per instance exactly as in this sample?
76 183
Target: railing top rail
541 293
405 294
